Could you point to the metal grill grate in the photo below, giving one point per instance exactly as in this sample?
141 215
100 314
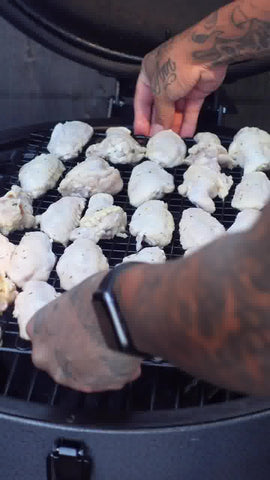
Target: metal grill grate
161 386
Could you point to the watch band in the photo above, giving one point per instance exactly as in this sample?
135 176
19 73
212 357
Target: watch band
110 317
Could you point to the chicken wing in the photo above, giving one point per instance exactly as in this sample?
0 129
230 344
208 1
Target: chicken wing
166 148
118 147
35 295
208 151
152 223
32 259
40 174
102 220
6 250
79 261
16 211
148 181
68 139
8 292
94 175
197 228
147 255
61 218
202 184
244 220
252 192
250 149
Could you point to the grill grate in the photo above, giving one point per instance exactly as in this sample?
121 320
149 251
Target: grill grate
161 386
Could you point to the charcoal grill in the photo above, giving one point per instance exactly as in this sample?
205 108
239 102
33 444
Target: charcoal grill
167 424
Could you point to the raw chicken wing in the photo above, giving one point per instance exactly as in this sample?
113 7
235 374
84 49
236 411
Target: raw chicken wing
32 259
61 218
8 292
118 147
202 184
166 148
252 192
148 181
68 139
209 151
147 255
94 175
35 295
152 223
197 228
79 261
101 220
6 250
250 149
244 220
16 211
40 174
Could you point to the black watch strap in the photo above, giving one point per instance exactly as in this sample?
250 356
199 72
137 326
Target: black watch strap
110 317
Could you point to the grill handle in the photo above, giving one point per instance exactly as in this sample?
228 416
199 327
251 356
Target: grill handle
69 460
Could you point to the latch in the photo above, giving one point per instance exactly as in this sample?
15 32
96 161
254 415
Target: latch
69 460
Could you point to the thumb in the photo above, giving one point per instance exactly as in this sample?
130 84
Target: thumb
191 114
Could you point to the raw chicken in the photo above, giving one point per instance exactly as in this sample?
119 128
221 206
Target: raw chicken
16 211
147 255
166 148
8 292
244 220
197 228
6 250
152 223
148 181
61 218
252 192
79 261
101 220
35 295
32 259
209 151
94 175
68 139
250 149
118 147
40 174
202 183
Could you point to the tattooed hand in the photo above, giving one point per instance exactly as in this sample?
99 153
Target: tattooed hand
67 343
171 89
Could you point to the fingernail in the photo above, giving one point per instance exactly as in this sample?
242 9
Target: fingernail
155 129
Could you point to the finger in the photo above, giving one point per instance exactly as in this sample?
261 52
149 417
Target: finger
143 102
155 127
178 116
164 115
190 119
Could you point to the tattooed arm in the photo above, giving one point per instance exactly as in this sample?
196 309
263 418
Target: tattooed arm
177 76
209 313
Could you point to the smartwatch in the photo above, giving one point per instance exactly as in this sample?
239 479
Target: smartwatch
111 320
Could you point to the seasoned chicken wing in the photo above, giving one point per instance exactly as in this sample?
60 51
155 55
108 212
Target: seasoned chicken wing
35 295
244 220
148 181
32 259
8 292
61 218
166 148
202 184
147 255
79 261
250 149
153 223
118 147
6 250
197 228
208 151
94 175
16 211
40 174
101 220
68 139
252 192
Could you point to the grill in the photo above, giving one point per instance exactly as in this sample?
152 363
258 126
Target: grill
161 387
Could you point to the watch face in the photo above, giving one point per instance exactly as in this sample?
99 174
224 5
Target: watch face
105 322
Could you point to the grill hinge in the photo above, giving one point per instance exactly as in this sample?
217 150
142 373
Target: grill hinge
69 460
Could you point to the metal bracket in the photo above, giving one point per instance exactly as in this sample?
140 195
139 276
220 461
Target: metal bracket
69 460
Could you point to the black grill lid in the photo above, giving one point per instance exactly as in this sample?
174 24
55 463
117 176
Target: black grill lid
112 36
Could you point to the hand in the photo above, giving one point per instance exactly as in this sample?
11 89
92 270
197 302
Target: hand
171 88
67 343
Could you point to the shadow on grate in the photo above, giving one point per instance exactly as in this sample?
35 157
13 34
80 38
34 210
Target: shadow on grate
160 386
